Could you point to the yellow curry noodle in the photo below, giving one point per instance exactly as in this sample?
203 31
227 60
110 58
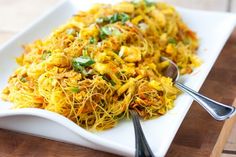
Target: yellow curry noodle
103 62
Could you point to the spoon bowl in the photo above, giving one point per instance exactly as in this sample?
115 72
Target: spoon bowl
217 110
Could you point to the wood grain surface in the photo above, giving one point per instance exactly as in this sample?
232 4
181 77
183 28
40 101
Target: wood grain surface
224 134
197 136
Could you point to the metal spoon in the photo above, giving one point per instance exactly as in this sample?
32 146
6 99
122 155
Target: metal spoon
217 110
142 148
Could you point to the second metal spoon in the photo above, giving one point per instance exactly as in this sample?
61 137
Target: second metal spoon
217 110
142 149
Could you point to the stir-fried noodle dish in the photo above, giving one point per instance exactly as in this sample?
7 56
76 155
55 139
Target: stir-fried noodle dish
104 62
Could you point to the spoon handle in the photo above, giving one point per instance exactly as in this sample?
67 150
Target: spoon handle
141 146
217 110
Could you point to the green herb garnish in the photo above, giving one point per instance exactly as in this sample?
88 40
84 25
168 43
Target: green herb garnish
108 30
23 79
75 89
81 62
114 18
46 54
172 41
102 20
109 80
84 61
91 40
105 31
123 17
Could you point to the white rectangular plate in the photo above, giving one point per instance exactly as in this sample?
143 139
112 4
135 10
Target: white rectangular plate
213 29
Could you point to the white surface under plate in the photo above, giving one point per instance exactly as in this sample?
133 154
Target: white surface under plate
213 29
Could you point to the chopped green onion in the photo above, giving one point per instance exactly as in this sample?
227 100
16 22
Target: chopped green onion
112 83
84 61
91 40
104 32
77 67
114 18
81 62
108 30
172 41
116 32
75 89
102 19
109 80
123 17
102 35
46 54
23 79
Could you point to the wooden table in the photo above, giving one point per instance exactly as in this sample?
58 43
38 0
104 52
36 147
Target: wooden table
198 136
